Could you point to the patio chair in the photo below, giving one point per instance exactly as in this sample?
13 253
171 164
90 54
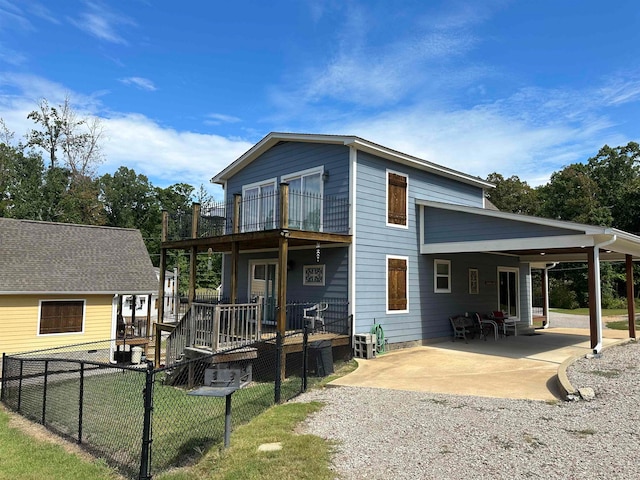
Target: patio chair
315 315
461 327
485 326
505 322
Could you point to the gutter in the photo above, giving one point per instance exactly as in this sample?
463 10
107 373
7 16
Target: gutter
596 267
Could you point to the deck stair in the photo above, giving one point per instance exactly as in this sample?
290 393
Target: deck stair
213 328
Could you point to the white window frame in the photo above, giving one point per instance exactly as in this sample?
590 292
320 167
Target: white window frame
386 282
437 262
307 173
386 203
271 182
84 315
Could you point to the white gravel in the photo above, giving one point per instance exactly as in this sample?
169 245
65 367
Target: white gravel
391 434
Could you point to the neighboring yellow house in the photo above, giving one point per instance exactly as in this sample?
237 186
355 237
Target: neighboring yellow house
62 284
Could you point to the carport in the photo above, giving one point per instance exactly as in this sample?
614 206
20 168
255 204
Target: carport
537 243
522 367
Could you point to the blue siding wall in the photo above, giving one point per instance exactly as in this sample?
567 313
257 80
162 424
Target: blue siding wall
336 273
428 312
450 226
290 157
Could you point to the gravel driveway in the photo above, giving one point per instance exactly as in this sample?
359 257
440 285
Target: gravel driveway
390 434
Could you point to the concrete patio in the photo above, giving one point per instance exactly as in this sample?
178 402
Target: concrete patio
521 367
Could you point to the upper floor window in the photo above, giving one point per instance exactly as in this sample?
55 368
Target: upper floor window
305 199
259 206
61 316
442 276
397 199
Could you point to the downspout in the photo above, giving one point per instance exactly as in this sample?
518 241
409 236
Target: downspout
546 296
114 325
596 268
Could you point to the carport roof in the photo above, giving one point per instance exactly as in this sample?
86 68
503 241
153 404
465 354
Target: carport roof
535 240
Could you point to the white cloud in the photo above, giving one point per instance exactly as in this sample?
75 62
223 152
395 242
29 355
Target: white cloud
102 23
163 154
220 118
140 82
167 155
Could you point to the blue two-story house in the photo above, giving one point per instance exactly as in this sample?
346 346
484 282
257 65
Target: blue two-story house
375 236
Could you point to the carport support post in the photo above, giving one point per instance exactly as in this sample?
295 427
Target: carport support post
592 299
631 308
545 297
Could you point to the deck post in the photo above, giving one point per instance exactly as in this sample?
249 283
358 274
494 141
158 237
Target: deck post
631 308
195 220
162 266
193 266
237 199
283 259
235 255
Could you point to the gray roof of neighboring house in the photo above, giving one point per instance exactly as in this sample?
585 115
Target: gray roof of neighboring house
44 257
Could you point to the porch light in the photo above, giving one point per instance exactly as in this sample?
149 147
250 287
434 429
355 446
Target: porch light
325 176
543 253
318 252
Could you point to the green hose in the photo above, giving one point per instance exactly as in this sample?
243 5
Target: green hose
379 333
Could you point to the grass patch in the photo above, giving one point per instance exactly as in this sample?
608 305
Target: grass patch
25 457
301 456
585 311
621 324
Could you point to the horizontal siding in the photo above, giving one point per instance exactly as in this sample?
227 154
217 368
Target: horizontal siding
428 312
449 226
336 264
286 158
19 323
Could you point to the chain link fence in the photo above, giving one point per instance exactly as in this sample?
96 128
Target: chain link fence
144 420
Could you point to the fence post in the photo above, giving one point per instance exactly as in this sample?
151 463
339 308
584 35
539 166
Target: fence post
278 382
44 391
20 386
305 356
145 455
3 387
81 402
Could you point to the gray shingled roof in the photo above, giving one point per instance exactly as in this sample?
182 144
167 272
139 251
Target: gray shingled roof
64 258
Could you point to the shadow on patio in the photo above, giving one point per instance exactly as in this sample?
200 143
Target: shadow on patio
523 367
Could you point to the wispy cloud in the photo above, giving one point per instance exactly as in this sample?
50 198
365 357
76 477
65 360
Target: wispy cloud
219 119
12 57
139 82
41 11
12 17
102 23
165 155
373 66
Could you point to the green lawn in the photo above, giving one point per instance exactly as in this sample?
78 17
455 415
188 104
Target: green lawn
187 430
24 457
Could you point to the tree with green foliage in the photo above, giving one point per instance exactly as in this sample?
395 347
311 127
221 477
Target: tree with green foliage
512 195
572 195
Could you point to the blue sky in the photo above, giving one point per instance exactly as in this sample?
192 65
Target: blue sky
184 88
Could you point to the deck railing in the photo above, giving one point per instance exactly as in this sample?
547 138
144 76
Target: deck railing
250 213
215 327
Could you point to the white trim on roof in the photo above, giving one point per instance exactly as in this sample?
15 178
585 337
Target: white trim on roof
350 141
